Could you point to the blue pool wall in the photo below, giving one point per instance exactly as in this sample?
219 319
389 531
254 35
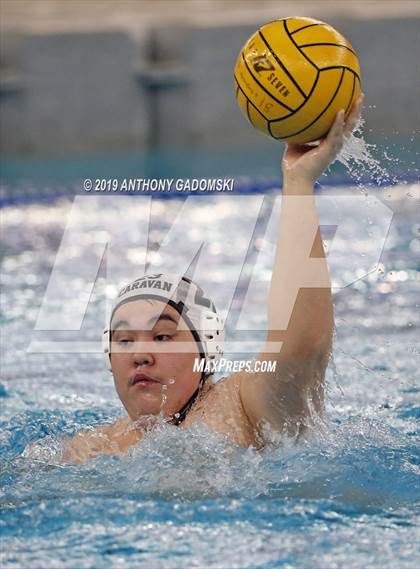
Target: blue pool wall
75 93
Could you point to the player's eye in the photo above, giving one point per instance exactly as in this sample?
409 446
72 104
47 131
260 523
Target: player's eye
163 337
124 341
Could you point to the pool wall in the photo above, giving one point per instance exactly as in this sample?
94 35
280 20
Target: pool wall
106 90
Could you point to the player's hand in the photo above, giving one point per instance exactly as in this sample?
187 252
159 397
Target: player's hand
306 162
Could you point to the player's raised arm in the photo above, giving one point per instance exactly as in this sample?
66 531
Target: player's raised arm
300 312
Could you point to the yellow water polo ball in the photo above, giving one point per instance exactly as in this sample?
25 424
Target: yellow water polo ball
293 76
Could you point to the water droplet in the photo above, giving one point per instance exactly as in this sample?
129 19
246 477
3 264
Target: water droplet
164 397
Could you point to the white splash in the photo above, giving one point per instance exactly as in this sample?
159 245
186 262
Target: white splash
357 156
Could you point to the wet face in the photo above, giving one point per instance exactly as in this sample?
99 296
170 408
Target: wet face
152 358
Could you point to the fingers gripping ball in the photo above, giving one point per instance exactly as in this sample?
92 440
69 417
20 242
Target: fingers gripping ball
293 76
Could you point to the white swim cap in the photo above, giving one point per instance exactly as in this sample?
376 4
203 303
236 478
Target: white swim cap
188 299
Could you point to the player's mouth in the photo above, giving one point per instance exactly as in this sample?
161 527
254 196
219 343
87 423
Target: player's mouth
144 380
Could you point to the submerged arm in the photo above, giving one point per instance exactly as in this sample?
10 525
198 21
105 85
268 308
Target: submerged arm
111 439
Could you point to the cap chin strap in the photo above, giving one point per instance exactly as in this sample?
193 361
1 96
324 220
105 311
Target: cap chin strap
179 417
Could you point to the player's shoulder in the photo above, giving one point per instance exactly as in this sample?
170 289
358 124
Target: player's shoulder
223 412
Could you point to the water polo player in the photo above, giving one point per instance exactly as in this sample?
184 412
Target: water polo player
157 314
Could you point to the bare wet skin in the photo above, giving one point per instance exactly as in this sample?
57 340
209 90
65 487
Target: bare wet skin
219 407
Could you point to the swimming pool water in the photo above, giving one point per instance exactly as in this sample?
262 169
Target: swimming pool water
345 497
